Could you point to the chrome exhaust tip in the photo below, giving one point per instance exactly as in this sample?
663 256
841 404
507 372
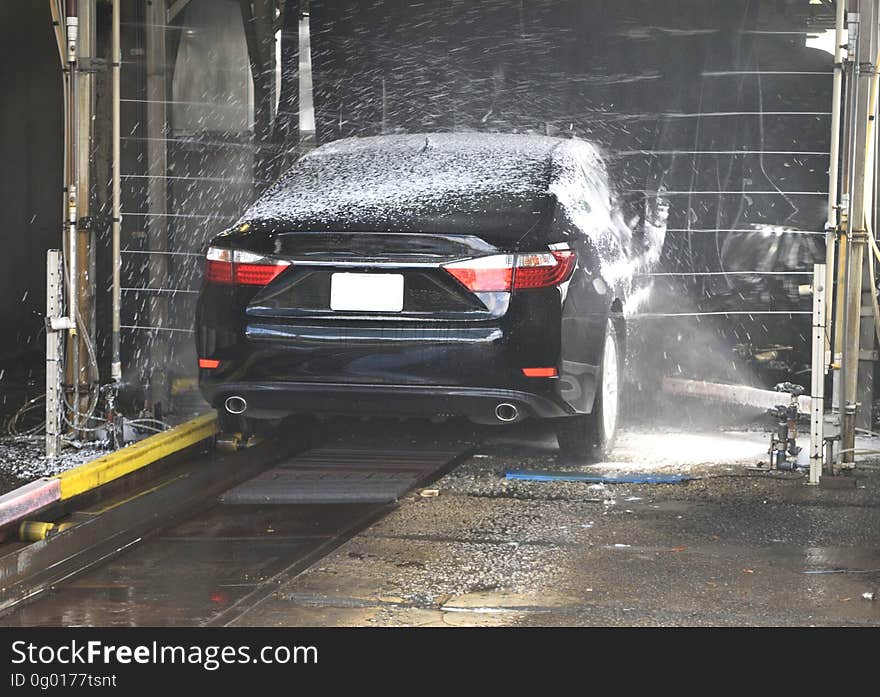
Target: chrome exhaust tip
506 412
236 405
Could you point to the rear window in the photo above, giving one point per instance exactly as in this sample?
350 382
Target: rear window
478 186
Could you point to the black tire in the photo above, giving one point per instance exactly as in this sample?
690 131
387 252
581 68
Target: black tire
590 437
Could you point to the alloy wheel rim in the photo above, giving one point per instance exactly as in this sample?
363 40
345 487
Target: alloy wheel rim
609 385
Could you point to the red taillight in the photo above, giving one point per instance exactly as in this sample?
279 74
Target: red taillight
234 267
504 272
219 272
543 270
540 372
209 363
483 274
257 274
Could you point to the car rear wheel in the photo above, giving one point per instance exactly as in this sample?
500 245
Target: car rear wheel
590 437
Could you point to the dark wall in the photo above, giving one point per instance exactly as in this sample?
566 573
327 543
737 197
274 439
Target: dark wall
717 104
709 92
31 129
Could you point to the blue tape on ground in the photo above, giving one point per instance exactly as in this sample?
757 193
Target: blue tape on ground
532 476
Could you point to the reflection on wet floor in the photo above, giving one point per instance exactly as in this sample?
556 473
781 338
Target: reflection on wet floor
192 573
732 547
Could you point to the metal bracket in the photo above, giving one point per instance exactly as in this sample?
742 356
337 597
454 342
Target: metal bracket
56 324
853 19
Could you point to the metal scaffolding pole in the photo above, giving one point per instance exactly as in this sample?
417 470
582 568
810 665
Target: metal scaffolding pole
81 368
867 347
84 280
856 368
116 365
832 224
54 306
817 391
71 184
157 196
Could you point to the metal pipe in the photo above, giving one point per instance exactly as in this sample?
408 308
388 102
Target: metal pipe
846 420
831 225
733 394
36 530
506 412
863 388
85 367
116 365
863 107
236 405
157 77
72 27
72 185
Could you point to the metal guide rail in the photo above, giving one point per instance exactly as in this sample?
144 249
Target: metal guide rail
235 518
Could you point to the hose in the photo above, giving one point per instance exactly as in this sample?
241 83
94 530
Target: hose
149 424
93 363
29 405
150 428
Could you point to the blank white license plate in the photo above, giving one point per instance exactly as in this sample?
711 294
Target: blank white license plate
366 292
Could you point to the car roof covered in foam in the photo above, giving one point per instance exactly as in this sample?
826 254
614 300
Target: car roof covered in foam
501 184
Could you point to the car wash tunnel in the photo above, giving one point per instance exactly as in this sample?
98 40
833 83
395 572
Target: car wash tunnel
458 312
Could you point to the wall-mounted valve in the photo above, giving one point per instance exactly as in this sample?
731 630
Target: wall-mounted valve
784 451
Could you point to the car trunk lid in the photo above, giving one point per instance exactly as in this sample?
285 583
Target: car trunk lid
370 276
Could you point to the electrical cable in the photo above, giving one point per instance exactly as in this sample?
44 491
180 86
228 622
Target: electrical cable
11 440
29 405
81 427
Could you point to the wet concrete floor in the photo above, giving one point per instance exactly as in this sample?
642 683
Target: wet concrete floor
734 547
214 566
190 575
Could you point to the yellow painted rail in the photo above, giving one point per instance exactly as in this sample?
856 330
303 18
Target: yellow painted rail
133 457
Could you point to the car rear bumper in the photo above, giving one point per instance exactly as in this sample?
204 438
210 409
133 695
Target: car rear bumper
279 399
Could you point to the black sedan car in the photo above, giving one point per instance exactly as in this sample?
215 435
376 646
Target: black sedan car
429 275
